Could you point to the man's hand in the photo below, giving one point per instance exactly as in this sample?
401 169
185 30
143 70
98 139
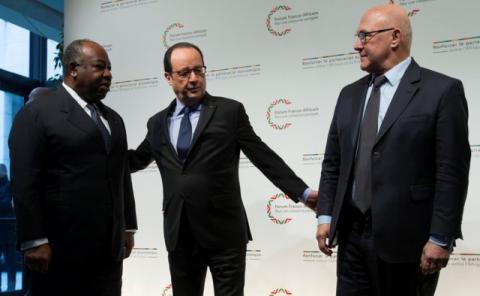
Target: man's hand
433 258
38 259
129 243
322 235
311 201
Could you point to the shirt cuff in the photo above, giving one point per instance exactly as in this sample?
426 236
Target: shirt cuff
33 243
324 219
441 241
131 230
305 195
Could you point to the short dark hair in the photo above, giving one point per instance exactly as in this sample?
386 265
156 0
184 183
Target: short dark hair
73 53
167 63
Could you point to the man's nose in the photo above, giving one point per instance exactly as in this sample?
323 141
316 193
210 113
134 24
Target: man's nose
358 45
192 76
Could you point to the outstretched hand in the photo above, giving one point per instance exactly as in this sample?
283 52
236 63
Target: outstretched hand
311 201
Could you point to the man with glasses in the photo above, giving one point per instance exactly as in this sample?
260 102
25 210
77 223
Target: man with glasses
196 143
395 173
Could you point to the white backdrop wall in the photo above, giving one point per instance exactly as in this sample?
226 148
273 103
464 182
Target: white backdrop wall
286 61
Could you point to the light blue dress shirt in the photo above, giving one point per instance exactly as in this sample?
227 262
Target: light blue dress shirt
176 118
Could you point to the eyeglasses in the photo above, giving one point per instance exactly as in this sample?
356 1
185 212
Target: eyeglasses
185 73
366 36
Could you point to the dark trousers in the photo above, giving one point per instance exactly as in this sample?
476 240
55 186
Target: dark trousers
189 262
361 272
100 278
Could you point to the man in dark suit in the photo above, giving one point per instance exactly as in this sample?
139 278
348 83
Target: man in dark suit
71 186
395 173
196 143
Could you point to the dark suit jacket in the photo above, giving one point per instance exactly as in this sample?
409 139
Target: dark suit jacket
67 187
206 185
420 162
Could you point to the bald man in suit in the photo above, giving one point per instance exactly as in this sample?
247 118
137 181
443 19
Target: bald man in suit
395 172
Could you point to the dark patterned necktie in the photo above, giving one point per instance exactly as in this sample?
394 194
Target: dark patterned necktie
368 134
101 126
185 134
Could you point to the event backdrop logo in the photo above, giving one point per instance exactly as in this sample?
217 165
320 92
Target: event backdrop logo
170 36
280 292
272 204
274 125
281 210
281 113
269 21
274 20
167 30
167 291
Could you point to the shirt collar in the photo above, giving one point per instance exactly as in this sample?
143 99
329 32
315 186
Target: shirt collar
75 96
179 107
395 74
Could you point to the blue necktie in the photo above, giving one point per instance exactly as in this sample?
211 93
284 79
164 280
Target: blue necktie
185 133
101 127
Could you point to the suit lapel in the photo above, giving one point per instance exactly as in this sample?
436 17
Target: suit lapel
404 94
163 121
208 108
79 118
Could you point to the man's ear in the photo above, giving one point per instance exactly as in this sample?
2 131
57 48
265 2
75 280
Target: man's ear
72 69
168 78
396 36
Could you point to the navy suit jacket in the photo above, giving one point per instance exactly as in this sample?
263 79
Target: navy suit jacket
420 162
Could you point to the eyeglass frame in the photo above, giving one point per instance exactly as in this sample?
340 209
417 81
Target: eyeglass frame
185 73
362 35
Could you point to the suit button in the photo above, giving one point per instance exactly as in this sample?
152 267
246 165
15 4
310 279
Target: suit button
376 154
